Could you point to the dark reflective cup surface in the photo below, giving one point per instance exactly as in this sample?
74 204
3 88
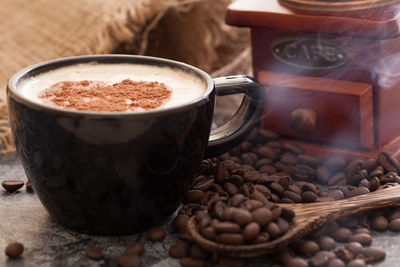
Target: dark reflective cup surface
119 173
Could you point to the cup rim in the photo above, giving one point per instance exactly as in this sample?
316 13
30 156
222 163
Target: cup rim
13 93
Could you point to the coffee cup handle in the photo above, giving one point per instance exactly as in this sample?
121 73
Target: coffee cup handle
229 135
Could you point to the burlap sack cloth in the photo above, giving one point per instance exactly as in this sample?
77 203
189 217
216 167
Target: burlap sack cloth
192 31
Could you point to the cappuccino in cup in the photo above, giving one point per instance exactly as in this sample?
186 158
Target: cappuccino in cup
113 87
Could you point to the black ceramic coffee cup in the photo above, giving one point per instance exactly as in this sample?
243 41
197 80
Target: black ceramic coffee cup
118 173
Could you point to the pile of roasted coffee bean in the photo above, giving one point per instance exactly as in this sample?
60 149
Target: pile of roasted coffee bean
231 201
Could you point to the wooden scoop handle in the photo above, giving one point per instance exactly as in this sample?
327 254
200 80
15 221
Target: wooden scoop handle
335 209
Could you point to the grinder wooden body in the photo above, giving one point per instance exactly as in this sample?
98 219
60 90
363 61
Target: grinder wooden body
332 78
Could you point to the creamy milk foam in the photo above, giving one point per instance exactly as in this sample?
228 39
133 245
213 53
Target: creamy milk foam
185 87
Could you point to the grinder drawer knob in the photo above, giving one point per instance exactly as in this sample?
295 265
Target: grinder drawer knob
303 120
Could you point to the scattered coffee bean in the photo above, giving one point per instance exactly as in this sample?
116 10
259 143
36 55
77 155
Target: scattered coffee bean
379 223
326 243
341 234
135 248
14 250
251 231
308 247
155 234
354 247
129 260
362 238
12 185
377 254
93 252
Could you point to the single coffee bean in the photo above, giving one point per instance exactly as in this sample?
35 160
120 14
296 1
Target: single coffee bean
190 262
304 173
293 196
14 250
155 234
12 185
395 225
251 231
341 234
93 252
344 254
180 221
374 184
285 182
283 225
326 243
179 250
308 247
241 216
369 164
129 260
338 178
226 227
296 262
237 199
389 161
361 229
135 248
29 187
336 194
287 214
357 263
221 173
273 230
364 239
309 197
259 197
321 259
267 152
277 189
354 247
263 237
377 254
228 213
379 223
276 212
230 239
262 216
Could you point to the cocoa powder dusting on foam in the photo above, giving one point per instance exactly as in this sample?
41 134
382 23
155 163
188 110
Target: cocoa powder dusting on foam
126 95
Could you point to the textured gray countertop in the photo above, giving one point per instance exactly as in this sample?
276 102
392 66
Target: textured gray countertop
24 219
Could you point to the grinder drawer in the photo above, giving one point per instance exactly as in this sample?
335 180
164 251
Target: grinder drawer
319 109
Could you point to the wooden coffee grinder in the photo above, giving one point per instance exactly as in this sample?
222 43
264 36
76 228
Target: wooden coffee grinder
331 70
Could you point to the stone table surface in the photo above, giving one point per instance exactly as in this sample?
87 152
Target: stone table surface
24 219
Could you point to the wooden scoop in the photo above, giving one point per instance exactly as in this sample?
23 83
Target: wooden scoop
309 217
